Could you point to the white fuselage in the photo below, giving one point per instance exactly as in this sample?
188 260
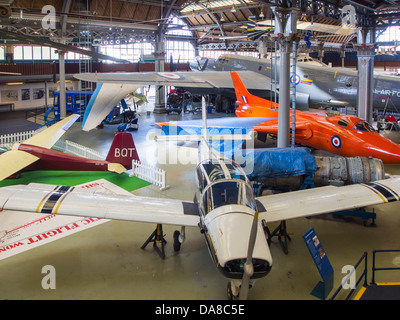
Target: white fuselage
227 209
228 232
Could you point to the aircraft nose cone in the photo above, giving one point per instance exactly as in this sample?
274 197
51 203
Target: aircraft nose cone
386 150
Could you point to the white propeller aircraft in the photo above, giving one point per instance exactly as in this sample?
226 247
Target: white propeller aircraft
226 210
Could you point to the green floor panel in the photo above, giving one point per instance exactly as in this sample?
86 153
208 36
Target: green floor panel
73 178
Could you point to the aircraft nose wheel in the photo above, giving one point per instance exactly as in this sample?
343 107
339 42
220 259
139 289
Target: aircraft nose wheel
232 292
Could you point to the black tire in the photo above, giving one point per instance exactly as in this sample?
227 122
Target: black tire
177 244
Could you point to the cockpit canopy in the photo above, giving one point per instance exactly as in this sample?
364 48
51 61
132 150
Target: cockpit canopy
209 171
227 192
223 183
364 126
357 123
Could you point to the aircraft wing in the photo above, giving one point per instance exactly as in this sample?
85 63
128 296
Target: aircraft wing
321 200
63 200
112 87
327 28
48 137
15 160
303 128
21 231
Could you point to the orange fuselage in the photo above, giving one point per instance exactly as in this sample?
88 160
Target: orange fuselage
347 136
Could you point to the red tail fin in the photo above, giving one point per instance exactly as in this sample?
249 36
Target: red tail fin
243 96
123 150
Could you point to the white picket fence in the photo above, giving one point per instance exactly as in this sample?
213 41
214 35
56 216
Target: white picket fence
70 147
77 150
149 173
7 140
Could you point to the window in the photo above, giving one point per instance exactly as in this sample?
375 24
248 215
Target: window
37 53
179 50
392 33
27 51
18 53
127 51
227 192
364 126
46 53
343 123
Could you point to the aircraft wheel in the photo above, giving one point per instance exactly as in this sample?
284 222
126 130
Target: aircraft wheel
177 243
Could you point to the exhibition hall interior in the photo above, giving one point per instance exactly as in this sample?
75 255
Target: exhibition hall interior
199 150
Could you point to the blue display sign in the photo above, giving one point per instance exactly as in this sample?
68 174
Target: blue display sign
318 254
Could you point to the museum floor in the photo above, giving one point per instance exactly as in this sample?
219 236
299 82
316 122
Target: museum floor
106 262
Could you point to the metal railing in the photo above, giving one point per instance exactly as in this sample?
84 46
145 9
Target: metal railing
363 276
364 273
374 268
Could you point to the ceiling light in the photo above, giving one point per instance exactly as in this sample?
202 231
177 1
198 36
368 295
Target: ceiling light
233 10
261 15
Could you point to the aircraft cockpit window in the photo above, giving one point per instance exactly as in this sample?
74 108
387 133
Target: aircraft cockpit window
343 123
214 171
227 193
369 127
364 126
236 171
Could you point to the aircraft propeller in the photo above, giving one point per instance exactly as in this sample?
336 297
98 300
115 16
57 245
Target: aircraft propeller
248 266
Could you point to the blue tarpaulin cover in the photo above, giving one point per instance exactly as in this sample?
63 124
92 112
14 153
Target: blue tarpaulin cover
276 162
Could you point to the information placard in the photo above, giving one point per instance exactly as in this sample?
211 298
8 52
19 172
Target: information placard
318 254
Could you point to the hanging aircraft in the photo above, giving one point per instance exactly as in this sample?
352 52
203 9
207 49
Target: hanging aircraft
227 212
35 153
316 84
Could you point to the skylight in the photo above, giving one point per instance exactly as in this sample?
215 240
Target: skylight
214 4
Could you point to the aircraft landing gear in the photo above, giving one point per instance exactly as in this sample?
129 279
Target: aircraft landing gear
281 233
157 237
179 238
232 290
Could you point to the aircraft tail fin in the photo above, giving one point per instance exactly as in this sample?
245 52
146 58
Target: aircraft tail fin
243 96
122 151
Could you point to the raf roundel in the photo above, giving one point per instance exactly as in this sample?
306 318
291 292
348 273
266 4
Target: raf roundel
336 142
296 79
170 76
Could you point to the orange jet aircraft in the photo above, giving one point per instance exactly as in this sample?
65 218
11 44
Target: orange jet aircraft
343 135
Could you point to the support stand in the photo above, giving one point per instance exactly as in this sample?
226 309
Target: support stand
157 237
281 233
323 288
